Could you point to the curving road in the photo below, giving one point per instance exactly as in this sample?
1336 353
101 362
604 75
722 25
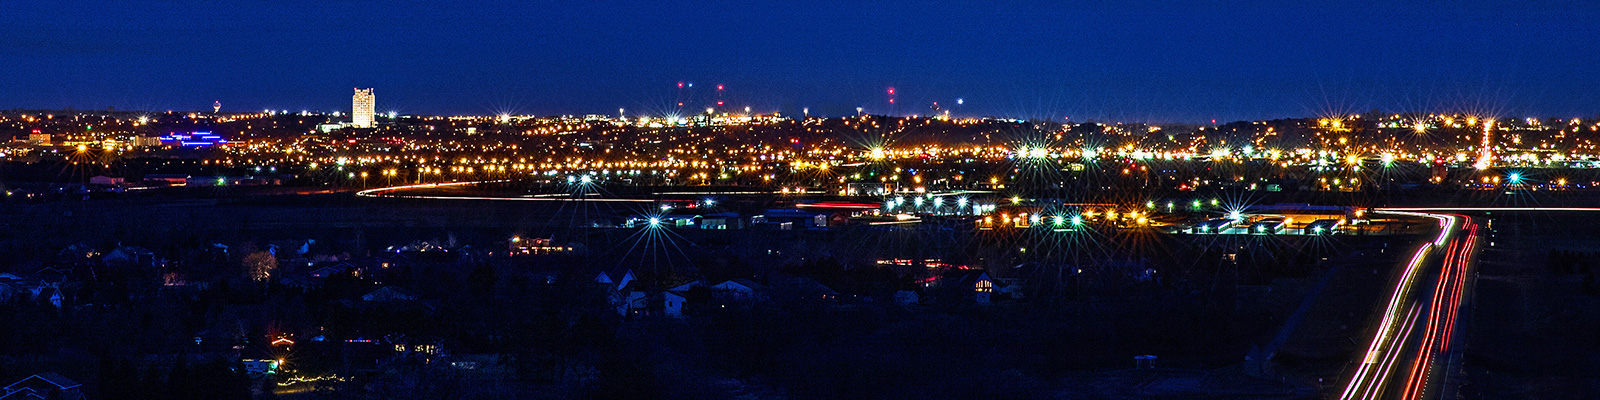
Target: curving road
1416 333
1415 343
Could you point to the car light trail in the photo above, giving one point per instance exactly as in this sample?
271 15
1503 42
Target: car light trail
1431 335
1473 209
1444 306
1381 341
1447 304
1391 336
386 192
379 192
1393 355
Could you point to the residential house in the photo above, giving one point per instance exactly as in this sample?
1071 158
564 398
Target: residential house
35 290
973 284
617 292
327 269
906 298
621 280
129 256
388 294
672 304
686 287
44 386
641 303
735 290
49 295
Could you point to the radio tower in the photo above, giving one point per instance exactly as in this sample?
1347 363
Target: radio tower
892 107
719 95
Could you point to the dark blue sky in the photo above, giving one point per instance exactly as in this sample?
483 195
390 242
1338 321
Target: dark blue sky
1114 60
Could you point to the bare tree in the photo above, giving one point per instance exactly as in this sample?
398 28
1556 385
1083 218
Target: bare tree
261 265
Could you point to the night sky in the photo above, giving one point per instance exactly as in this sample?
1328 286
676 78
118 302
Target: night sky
1117 60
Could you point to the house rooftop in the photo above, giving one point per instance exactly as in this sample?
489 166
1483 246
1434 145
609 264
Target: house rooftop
49 378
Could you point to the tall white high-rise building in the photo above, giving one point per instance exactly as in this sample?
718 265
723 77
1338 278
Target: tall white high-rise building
361 107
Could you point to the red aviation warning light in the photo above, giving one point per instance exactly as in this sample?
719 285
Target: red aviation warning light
719 95
891 95
680 92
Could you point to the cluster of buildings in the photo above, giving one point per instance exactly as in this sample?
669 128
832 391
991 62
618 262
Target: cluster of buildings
861 155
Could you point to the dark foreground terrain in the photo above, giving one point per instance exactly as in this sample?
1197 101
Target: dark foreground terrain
1067 318
1537 309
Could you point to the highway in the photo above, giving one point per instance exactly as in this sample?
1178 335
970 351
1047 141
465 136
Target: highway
390 192
1410 348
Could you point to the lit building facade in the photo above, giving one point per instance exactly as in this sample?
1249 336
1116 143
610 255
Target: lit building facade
361 106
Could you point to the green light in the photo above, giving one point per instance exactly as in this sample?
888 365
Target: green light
1077 220
1059 220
